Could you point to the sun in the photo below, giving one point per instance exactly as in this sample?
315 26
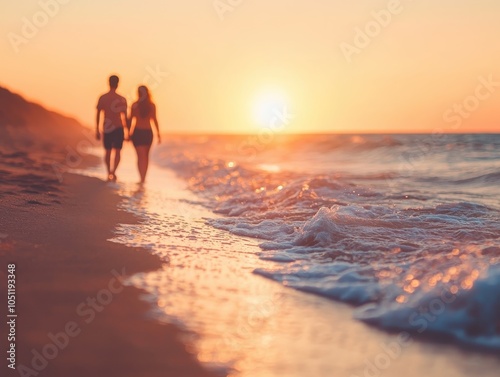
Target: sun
268 106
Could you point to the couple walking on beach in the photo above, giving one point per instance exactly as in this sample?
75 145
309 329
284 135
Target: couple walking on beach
118 126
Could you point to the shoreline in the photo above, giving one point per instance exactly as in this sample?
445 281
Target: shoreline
75 317
272 329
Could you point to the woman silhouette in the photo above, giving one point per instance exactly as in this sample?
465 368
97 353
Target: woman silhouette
141 114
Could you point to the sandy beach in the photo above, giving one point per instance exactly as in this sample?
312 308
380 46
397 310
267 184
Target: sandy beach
74 315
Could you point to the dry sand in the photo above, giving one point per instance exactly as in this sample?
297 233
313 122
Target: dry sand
62 258
57 235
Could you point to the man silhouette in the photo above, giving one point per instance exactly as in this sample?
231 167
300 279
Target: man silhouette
114 125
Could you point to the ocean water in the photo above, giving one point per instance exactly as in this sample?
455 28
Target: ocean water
405 228
354 255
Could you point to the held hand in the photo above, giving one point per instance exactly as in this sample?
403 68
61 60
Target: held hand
98 135
159 140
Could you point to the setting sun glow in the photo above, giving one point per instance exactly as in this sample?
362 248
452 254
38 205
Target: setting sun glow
268 107
230 77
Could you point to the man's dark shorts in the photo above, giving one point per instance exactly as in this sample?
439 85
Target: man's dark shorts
114 139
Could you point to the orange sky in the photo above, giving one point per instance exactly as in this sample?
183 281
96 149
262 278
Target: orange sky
423 65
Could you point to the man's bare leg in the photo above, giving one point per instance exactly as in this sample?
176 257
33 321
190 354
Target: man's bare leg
107 160
116 162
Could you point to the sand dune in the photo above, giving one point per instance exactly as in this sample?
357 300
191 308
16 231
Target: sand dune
25 124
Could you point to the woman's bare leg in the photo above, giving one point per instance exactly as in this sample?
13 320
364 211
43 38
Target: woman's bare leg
142 161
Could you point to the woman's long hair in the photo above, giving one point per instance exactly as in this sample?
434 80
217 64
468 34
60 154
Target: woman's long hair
144 101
